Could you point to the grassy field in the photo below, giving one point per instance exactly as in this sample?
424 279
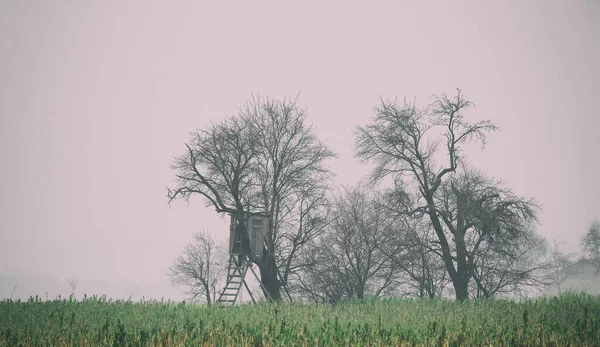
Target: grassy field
569 320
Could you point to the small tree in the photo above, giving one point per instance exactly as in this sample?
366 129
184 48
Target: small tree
13 291
590 246
73 282
199 268
562 266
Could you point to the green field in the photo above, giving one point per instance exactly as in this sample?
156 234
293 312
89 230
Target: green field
571 319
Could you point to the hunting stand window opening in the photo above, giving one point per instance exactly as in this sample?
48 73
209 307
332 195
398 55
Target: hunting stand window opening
256 225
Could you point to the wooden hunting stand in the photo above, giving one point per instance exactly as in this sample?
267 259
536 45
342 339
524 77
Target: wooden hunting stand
239 263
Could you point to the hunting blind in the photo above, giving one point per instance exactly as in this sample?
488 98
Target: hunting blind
256 226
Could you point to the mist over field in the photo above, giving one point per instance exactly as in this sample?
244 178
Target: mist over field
42 285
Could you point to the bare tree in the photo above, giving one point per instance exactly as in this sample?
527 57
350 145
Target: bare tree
502 250
563 266
326 280
396 142
422 270
293 183
296 230
496 232
199 268
13 291
590 246
73 282
264 160
355 254
399 142
518 268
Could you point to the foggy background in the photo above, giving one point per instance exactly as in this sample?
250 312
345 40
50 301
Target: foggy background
96 97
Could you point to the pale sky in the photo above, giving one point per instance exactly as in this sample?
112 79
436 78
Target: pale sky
96 97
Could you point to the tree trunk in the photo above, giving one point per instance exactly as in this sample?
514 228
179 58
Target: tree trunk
481 291
461 282
461 287
360 291
268 278
458 275
207 293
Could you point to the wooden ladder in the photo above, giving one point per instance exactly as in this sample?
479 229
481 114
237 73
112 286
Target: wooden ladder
236 273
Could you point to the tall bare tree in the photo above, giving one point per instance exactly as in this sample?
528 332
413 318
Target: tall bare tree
199 268
293 182
400 141
267 160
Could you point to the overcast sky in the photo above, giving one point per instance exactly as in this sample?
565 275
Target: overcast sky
96 97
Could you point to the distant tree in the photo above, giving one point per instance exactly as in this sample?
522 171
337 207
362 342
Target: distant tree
199 268
73 282
13 291
562 266
266 159
520 267
590 246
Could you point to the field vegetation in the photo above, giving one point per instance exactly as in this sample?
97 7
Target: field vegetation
566 320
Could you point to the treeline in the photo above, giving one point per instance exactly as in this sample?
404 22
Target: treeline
425 223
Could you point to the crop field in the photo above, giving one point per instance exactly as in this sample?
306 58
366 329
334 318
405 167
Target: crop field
568 320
